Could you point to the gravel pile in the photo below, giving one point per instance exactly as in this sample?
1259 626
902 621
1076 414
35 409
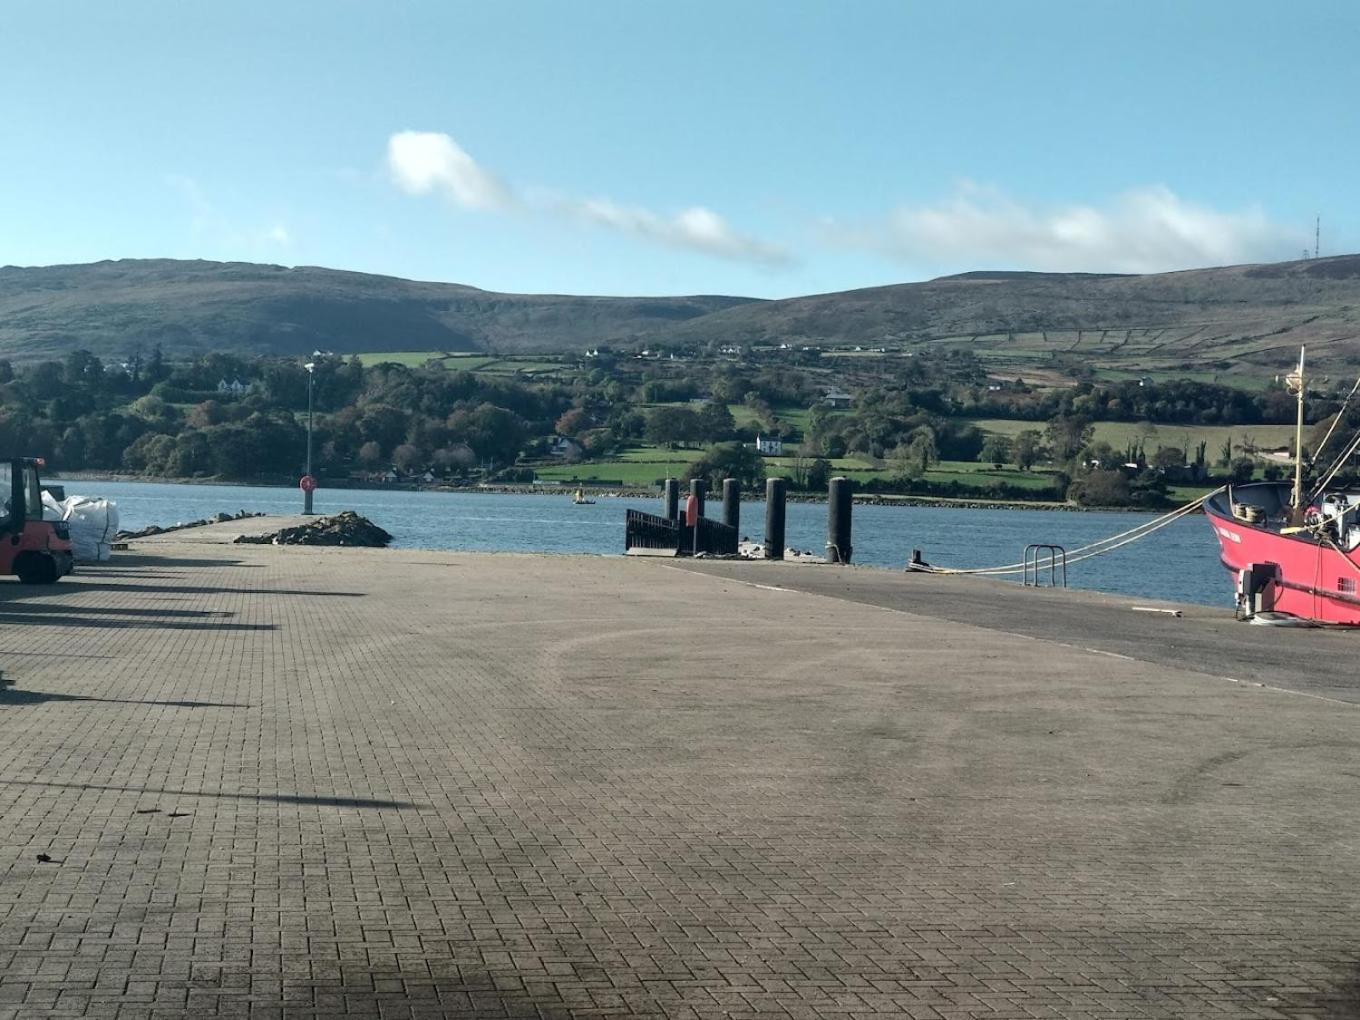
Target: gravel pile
346 528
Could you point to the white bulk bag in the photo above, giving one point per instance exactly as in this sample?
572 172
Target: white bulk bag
93 524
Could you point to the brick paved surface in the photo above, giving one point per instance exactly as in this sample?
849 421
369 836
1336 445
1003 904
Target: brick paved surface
286 782
1208 637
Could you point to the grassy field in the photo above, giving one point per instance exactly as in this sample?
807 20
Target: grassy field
629 472
658 455
461 362
646 465
1245 380
1182 494
745 418
411 359
507 366
1118 433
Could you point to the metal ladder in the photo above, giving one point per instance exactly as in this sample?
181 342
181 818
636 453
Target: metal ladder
1034 560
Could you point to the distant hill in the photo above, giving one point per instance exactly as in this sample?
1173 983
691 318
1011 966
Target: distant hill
1197 318
1226 318
193 306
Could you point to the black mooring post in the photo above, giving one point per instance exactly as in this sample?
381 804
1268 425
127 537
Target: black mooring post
671 499
774 518
732 503
838 548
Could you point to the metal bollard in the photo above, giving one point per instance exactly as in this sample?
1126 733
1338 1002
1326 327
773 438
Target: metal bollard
775 490
671 499
731 495
838 504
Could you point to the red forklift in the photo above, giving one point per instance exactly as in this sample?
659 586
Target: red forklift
37 551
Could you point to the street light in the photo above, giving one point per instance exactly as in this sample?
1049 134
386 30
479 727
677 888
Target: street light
308 482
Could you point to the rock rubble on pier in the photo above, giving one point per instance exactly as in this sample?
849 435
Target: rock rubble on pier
346 528
156 529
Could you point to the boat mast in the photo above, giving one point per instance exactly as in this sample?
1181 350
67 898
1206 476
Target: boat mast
1295 382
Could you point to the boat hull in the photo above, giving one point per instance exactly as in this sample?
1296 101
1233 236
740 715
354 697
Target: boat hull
1311 579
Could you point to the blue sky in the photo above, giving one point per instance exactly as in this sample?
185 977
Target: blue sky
631 147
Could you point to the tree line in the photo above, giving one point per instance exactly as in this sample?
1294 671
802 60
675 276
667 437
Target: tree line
152 416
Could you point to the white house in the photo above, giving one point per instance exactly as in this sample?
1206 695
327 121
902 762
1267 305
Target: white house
234 388
770 446
568 449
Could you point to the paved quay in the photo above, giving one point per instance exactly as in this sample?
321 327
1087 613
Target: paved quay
391 783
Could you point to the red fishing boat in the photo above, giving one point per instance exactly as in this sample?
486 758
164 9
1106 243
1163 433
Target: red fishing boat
1291 552
1312 572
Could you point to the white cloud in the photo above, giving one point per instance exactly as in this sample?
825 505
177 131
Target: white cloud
209 223
203 215
1141 231
426 161
422 162
697 229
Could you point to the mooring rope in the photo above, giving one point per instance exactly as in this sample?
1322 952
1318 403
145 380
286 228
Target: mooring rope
1344 555
1098 548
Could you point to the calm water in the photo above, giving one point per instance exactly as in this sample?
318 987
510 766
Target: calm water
1178 563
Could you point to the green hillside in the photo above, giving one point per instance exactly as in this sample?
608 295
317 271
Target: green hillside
189 308
1206 323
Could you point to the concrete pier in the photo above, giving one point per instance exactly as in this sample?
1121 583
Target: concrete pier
317 782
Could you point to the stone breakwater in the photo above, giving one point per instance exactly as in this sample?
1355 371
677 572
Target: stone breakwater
155 529
346 528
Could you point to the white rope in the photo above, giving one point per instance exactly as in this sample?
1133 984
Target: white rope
1097 548
995 572
1105 550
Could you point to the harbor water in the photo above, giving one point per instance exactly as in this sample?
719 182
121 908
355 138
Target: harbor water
1178 563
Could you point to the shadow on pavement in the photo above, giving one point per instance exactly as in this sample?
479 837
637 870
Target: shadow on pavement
56 614
18 696
277 798
138 559
28 608
27 591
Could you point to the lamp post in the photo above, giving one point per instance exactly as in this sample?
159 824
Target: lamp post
308 483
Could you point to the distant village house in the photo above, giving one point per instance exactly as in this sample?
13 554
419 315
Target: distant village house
567 449
838 399
769 446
